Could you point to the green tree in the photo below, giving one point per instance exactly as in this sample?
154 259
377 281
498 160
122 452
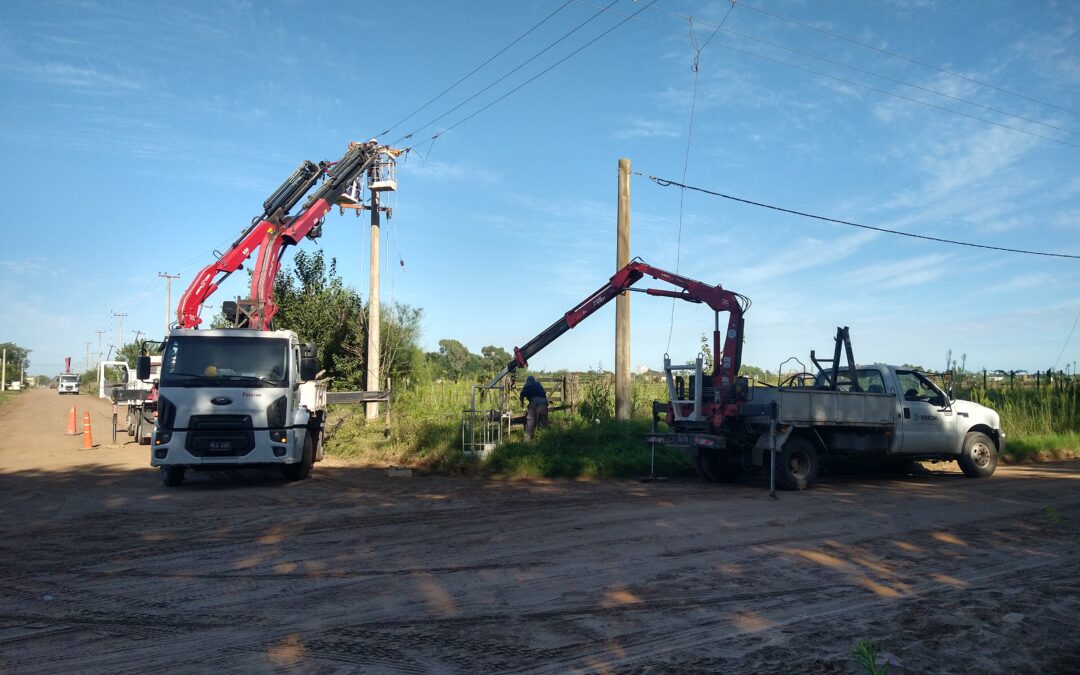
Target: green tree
18 360
494 359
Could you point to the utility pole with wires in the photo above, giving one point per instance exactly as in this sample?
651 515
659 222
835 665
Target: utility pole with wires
381 177
99 334
168 295
120 335
88 343
624 405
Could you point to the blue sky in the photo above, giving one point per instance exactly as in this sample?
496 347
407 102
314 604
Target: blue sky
140 136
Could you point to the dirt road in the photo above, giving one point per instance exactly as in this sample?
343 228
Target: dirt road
105 570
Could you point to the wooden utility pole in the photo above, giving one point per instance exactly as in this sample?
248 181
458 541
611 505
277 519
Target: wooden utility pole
168 295
624 406
374 318
120 337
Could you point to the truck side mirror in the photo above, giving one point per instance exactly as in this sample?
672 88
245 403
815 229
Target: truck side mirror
142 368
309 361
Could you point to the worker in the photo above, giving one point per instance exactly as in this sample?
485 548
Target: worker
538 406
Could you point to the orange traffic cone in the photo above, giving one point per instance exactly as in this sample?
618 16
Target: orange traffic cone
71 422
87 437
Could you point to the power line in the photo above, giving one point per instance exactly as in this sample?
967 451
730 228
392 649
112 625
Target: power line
1058 360
544 71
476 69
871 88
686 154
909 59
663 182
507 74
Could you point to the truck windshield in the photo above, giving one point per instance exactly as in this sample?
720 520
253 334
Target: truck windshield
192 361
69 378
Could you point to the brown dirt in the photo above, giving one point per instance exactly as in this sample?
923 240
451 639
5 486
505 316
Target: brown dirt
105 570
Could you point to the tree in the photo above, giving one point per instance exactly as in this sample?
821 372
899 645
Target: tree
131 352
453 358
18 360
495 359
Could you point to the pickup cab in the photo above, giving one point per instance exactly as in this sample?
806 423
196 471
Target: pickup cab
236 398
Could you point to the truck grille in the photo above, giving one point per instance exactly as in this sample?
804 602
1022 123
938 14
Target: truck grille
220 435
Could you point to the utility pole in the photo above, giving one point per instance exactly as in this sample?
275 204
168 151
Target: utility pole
120 338
624 406
3 374
374 315
168 295
88 343
99 334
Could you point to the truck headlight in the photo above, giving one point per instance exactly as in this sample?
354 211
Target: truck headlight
162 437
279 435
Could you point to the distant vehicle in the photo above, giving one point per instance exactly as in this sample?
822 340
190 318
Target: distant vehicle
52 385
15 385
69 384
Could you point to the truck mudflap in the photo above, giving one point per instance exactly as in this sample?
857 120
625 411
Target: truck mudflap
688 440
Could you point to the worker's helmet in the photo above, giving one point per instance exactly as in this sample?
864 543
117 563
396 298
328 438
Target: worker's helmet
211 371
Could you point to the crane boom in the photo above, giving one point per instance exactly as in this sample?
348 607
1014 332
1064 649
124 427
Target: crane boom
274 230
716 297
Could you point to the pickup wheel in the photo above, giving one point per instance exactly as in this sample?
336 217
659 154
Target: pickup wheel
797 465
172 476
979 457
302 469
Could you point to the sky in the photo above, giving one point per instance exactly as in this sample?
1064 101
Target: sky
139 137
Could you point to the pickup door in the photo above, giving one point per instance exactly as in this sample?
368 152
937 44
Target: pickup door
927 424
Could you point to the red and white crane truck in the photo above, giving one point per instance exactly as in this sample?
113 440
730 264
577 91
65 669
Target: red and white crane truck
248 396
730 427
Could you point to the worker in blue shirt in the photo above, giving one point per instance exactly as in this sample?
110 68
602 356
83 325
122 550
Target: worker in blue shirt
538 406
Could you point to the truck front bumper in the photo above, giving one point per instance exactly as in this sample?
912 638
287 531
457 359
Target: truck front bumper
171 449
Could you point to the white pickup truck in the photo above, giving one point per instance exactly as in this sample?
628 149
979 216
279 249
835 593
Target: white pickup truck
892 412
236 398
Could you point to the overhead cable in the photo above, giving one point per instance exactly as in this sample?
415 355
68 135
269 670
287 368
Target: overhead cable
508 73
476 69
664 182
542 72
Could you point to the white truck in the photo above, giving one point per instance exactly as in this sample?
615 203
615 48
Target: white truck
117 383
236 398
68 384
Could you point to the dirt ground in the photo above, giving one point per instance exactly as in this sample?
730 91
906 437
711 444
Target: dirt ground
105 570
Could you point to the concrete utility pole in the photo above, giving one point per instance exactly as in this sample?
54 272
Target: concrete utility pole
120 339
624 406
88 343
168 295
3 374
99 334
374 318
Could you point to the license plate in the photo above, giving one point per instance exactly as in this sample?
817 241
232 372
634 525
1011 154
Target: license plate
220 445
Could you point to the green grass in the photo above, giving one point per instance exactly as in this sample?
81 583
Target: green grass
6 396
1042 447
1041 425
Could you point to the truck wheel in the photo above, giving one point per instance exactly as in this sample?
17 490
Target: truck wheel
713 467
301 470
979 457
797 464
172 476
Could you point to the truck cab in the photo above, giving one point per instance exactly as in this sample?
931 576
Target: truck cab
68 384
234 398
930 423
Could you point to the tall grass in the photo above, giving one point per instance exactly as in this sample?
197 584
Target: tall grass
1039 423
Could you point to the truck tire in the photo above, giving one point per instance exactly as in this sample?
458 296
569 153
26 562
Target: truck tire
979 457
302 469
797 464
713 466
172 476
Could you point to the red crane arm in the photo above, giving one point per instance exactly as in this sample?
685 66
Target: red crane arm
273 231
715 297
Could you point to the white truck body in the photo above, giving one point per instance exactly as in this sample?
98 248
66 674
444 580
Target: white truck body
234 398
892 409
136 396
68 384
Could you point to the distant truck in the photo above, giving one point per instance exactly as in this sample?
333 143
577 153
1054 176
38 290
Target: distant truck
236 398
138 397
68 384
